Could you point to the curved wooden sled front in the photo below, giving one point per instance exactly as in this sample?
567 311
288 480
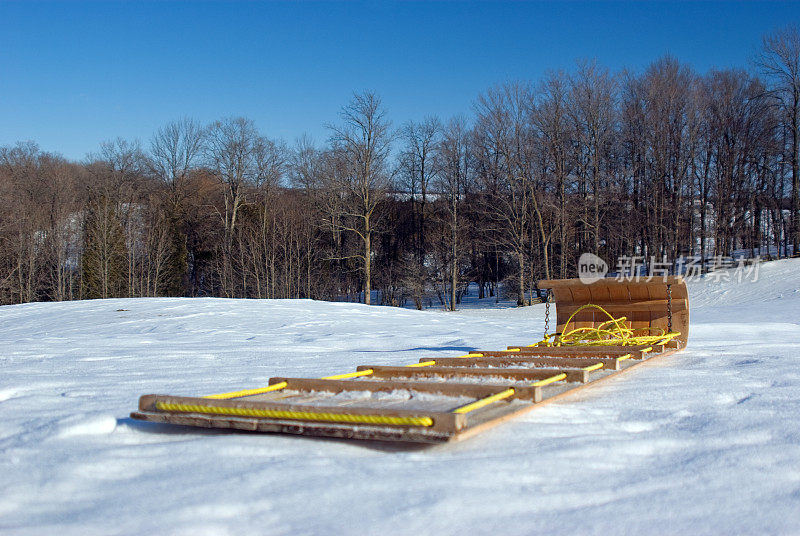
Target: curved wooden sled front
442 399
645 304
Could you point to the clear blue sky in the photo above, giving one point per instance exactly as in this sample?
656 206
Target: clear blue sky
73 74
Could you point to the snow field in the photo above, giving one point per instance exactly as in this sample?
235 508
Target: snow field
703 442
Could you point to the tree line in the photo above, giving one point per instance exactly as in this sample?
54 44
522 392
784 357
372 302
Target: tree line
660 164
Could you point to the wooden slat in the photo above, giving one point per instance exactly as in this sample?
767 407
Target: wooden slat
640 306
442 388
579 351
609 282
562 295
561 362
445 422
518 375
639 319
450 389
599 294
658 315
310 428
584 319
620 295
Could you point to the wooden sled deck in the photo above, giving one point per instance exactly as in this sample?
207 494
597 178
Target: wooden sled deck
444 399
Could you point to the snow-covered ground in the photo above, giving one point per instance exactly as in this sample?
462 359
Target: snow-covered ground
703 442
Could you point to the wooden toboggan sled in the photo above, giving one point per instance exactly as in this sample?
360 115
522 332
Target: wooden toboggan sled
603 329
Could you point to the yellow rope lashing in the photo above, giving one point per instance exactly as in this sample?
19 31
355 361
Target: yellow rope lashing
551 379
297 415
593 367
349 375
422 364
484 401
249 392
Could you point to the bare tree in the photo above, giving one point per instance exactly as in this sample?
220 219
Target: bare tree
271 160
58 196
556 136
235 153
112 219
592 99
231 153
656 129
417 172
175 150
304 166
780 63
452 181
505 158
362 141
306 169
38 225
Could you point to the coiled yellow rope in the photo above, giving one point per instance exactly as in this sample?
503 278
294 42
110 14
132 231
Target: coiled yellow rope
612 332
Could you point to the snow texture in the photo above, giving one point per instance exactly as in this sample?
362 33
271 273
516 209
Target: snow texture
703 442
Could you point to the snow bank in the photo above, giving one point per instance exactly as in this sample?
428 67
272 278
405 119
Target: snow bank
704 442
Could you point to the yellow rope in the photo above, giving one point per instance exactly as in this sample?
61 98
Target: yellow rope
422 364
612 332
484 401
249 392
348 375
593 367
548 381
471 355
297 415
281 385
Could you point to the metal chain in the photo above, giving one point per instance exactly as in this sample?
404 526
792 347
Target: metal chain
669 308
546 312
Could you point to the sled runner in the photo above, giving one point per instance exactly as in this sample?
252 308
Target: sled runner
602 329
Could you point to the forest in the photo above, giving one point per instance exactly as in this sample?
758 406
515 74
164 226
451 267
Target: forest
662 163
